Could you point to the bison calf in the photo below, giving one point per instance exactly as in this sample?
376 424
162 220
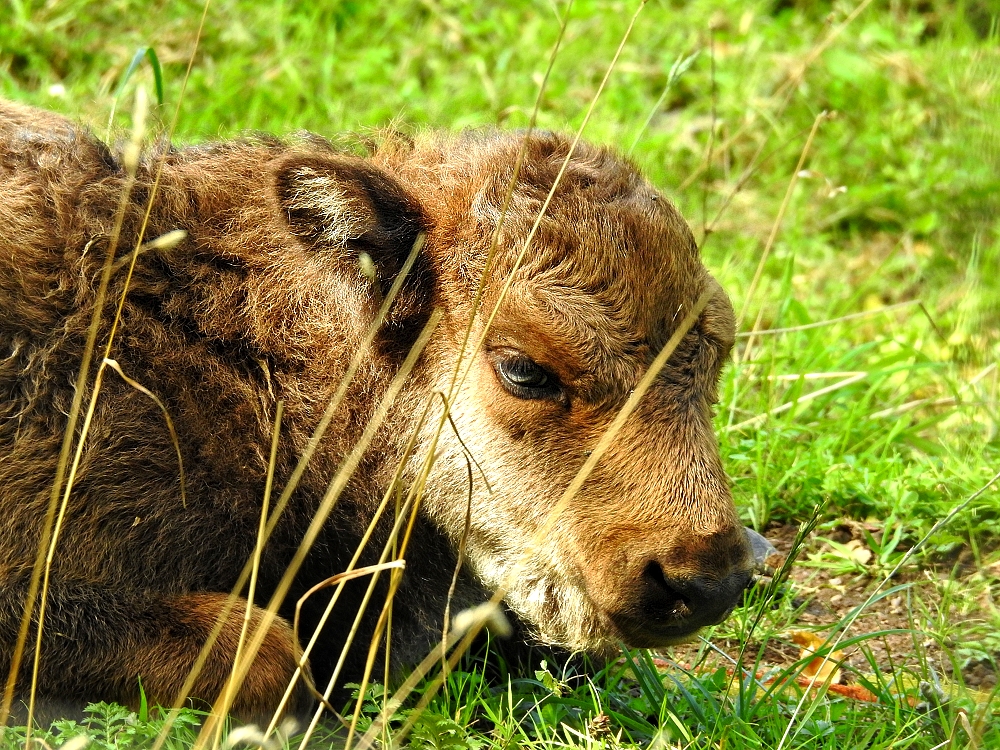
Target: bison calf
288 251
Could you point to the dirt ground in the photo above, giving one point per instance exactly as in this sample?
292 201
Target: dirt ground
942 609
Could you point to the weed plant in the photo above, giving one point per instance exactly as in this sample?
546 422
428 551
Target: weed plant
840 164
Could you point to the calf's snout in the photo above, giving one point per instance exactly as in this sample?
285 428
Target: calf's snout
671 595
690 602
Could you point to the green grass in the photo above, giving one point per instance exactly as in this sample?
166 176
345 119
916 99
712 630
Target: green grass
898 201
106 726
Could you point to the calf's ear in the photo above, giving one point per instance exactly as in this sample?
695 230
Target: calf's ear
343 206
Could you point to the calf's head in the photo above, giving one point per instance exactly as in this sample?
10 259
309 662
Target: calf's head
650 548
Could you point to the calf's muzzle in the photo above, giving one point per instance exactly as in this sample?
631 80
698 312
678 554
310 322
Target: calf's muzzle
664 608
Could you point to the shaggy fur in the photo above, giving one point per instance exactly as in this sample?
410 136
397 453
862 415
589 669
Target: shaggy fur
265 300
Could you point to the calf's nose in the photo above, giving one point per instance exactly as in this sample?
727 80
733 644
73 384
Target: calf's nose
691 602
672 594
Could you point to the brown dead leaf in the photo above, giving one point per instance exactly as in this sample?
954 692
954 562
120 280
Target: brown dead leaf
853 692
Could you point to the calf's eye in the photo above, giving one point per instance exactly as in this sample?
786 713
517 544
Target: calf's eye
524 378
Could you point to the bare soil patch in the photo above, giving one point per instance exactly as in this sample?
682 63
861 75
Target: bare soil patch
914 631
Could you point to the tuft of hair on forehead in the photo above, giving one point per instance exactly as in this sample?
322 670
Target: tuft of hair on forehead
606 233
607 237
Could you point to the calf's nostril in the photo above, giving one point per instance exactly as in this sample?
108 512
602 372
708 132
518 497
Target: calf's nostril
664 598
